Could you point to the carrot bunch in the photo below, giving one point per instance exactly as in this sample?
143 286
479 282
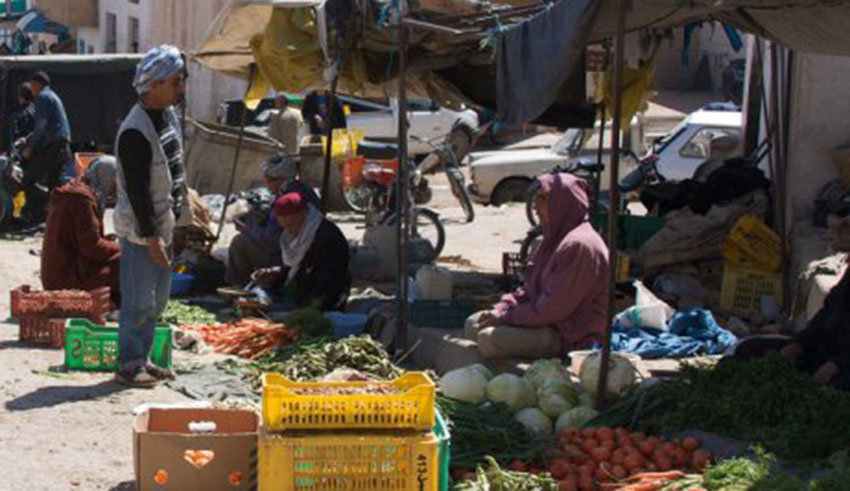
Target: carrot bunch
248 338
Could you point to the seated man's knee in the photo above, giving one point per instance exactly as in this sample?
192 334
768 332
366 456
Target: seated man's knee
486 343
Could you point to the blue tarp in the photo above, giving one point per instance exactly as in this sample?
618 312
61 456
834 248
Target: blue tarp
689 333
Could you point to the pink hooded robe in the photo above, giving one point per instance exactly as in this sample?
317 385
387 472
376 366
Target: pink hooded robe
566 282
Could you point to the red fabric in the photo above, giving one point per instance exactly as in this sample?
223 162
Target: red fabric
288 204
75 253
566 283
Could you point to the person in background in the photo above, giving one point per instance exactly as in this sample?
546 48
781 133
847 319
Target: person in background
258 246
75 253
286 124
822 349
151 194
315 258
319 108
563 301
24 120
47 149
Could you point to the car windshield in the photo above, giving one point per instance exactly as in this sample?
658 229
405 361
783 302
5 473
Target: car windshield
570 142
665 140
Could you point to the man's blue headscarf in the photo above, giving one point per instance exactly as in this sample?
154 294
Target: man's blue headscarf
158 64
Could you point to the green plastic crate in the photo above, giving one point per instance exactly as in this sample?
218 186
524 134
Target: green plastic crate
94 348
441 430
445 314
634 230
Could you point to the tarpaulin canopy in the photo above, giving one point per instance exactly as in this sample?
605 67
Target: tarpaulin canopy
458 60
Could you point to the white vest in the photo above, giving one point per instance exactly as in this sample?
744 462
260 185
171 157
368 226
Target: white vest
126 225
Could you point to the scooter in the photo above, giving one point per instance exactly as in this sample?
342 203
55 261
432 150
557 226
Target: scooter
11 175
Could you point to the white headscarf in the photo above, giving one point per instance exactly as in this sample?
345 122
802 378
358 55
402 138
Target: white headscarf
294 248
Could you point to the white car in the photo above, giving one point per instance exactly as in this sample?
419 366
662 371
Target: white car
503 176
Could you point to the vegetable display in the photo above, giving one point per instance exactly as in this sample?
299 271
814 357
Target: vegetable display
534 420
556 397
180 314
494 478
517 393
468 384
766 400
248 338
478 431
622 375
575 418
541 371
310 322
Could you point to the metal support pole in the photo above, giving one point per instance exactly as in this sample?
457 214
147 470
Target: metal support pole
329 146
242 122
622 7
403 204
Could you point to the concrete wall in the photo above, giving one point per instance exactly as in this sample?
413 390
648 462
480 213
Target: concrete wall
72 13
183 23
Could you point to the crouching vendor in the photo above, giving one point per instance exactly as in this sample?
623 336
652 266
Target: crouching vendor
562 303
315 259
75 253
822 349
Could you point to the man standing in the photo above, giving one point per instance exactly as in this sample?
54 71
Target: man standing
151 192
48 148
285 124
319 108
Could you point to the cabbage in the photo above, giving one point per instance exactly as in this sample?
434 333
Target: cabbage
465 384
556 396
514 391
575 418
586 400
534 420
621 374
482 370
542 370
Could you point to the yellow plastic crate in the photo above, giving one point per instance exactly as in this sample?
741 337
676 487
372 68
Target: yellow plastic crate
323 461
411 408
754 245
743 289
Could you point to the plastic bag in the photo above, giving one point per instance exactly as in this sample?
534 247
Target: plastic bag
649 312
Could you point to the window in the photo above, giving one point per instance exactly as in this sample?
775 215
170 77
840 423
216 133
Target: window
700 145
133 35
111 34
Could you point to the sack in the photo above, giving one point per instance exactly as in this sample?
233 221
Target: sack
649 312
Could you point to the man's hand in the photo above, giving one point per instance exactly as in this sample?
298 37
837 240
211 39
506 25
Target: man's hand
26 153
320 123
826 372
156 250
792 352
265 276
489 319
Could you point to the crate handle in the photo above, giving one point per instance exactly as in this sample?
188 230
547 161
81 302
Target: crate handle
202 426
198 458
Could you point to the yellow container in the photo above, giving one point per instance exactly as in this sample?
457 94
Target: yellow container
743 289
412 407
753 244
323 461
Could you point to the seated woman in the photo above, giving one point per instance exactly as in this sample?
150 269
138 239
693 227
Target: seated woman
258 246
822 349
75 253
562 304
315 258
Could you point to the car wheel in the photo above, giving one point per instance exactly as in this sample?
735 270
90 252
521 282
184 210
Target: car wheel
461 144
511 190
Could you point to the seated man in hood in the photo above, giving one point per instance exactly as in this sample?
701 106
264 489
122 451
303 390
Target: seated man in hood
563 301
315 258
258 246
75 253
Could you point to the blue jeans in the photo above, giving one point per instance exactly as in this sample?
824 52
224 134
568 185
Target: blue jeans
145 288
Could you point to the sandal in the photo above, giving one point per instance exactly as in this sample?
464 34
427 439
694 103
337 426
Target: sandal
136 378
159 373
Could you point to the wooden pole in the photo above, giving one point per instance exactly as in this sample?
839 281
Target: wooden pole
329 145
403 205
242 122
622 7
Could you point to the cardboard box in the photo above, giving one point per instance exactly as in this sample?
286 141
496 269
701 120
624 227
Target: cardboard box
166 453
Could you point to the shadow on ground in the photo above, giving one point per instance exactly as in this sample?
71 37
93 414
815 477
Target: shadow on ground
55 395
124 486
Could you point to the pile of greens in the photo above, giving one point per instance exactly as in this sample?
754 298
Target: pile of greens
489 431
180 314
494 478
313 358
310 322
765 401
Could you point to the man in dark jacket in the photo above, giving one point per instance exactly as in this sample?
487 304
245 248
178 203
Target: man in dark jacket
315 258
320 108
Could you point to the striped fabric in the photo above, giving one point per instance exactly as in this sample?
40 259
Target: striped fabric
158 64
170 139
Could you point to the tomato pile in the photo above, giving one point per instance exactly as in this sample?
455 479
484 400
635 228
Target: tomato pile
595 456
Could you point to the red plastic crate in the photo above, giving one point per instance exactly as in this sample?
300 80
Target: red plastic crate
42 330
92 305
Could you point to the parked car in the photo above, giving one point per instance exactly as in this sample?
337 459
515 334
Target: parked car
503 176
428 121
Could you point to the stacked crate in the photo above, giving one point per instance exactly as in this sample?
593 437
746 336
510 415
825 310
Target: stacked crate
380 436
41 315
